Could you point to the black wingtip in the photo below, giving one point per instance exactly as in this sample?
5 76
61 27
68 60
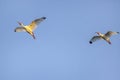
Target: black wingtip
118 32
90 42
15 30
43 17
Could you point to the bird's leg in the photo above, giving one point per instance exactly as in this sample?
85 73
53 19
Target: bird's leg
109 41
33 35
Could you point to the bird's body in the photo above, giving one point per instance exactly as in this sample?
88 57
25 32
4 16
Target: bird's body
31 27
101 36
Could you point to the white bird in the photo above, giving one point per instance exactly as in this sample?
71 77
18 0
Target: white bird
101 36
29 28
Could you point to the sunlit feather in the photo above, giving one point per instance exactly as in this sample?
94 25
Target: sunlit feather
31 27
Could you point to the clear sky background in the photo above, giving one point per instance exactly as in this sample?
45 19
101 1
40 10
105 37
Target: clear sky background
61 50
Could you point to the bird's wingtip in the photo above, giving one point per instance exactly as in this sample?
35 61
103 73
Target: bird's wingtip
118 32
15 30
90 42
43 17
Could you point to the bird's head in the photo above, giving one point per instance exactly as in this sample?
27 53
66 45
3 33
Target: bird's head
21 24
98 33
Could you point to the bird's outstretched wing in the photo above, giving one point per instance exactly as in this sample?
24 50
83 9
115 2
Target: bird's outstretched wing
34 23
94 38
110 33
20 29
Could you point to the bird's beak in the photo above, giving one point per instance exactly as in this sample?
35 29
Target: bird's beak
19 23
97 32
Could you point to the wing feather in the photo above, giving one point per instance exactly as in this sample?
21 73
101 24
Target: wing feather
34 23
20 29
94 38
110 33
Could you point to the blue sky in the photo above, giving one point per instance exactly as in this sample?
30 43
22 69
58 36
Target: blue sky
61 50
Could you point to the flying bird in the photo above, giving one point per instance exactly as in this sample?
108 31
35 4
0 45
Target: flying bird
29 28
101 36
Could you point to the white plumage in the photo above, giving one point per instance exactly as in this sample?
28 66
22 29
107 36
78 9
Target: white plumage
101 36
29 28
